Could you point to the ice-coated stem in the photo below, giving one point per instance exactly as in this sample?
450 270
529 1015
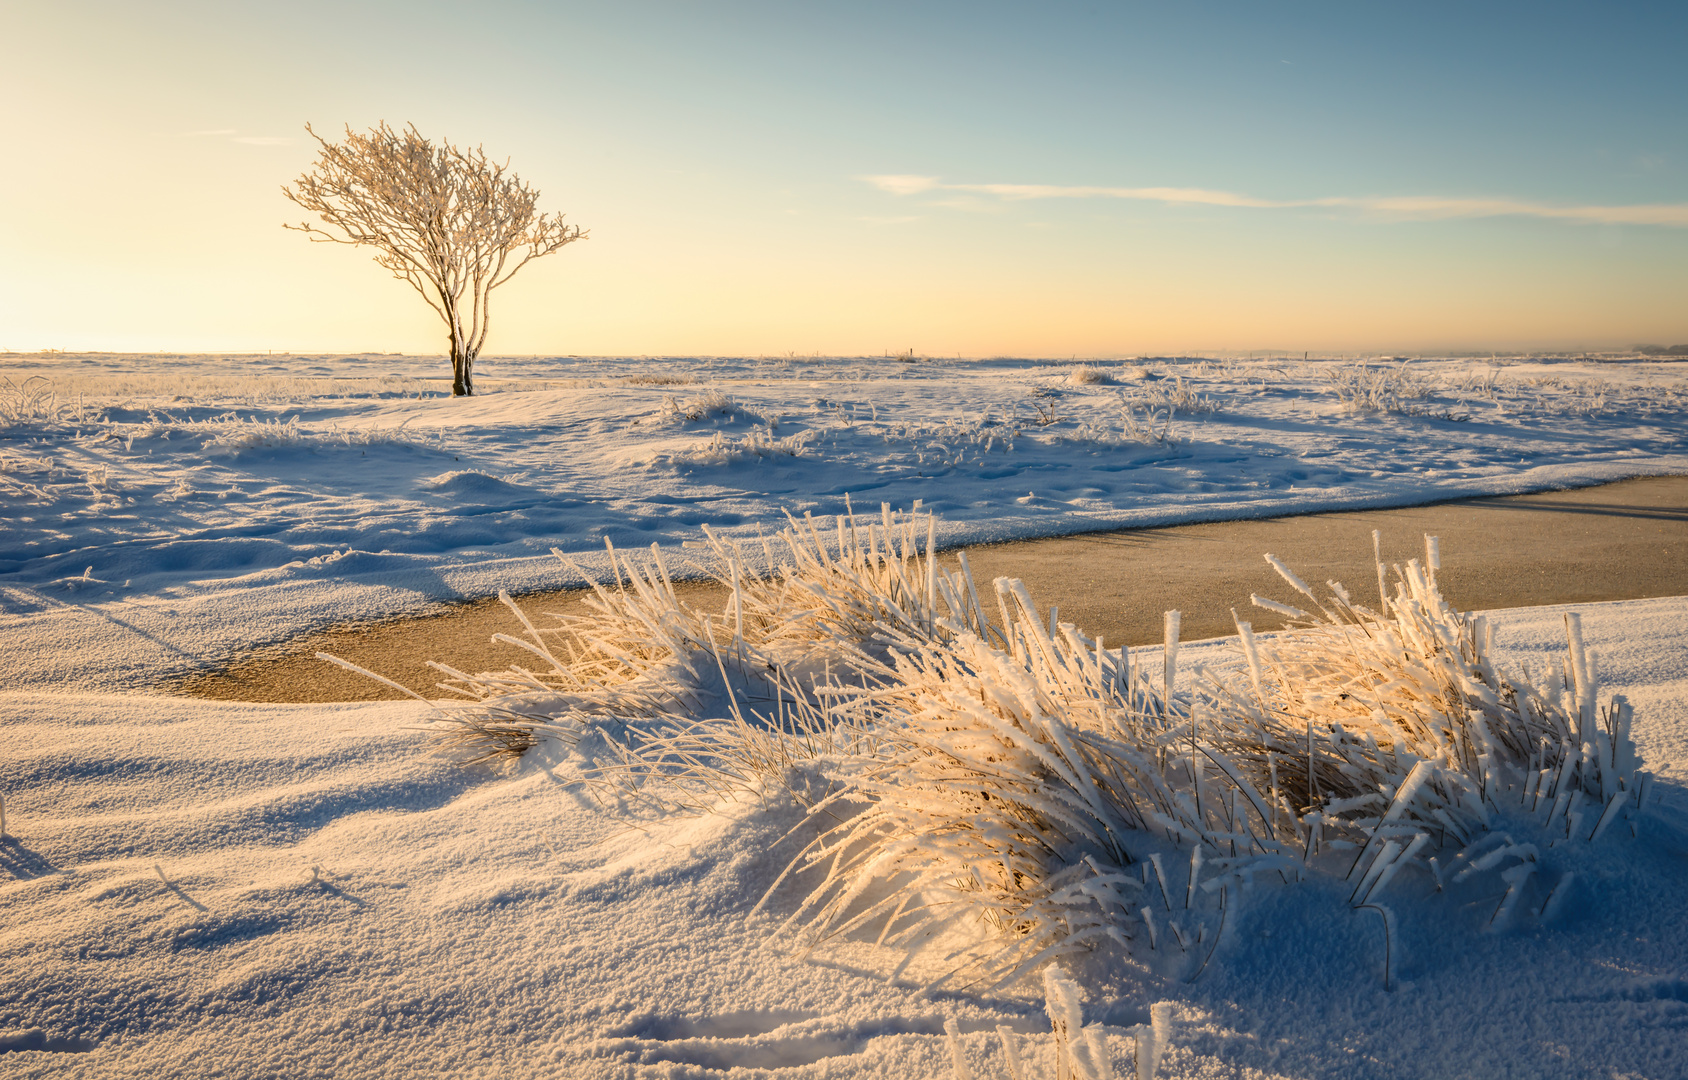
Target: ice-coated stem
1388 918
1170 655
1613 805
1010 1052
958 1059
1561 889
1160 1022
1382 586
1154 861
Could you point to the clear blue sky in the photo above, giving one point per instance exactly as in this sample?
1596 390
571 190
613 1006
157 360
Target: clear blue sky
1086 178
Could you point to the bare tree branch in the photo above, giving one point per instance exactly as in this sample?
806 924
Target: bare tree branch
451 223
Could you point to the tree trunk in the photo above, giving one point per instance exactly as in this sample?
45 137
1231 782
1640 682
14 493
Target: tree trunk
462 371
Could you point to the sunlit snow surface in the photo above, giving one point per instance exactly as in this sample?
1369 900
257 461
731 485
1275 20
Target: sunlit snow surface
176 497
192 888
196 889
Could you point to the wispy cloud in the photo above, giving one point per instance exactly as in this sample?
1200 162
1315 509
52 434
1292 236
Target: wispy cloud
1399 207
213 131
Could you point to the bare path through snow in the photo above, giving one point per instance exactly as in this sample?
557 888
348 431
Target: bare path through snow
1617 541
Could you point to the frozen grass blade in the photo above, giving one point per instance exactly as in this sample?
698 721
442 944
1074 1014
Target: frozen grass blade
1388 918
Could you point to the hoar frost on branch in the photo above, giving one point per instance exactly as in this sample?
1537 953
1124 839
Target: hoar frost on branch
452 223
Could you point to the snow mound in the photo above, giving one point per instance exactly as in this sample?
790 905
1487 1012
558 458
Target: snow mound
472 483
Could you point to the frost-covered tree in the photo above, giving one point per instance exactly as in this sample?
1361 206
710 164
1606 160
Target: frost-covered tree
452 223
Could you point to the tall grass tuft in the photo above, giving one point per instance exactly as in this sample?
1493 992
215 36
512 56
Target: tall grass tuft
34 401
1365 388
1383 723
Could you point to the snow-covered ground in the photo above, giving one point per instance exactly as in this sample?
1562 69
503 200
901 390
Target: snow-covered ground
211 889
176 508
194 888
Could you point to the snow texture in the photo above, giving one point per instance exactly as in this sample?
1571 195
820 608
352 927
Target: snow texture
198 888
195 888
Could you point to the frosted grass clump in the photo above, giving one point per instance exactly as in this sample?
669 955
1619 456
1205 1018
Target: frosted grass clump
658 380
990 790
771 658
33 402
1015 778
1087 375
1365 388
719 450
1175 395
231 434
1150 428
1396 730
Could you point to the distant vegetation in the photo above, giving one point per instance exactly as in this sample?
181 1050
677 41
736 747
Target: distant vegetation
1662 350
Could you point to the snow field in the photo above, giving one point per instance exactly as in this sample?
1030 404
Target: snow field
283 494
334 903
298 464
